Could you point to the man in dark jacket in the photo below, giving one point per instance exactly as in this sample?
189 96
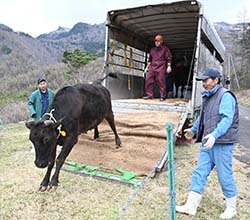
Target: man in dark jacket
160 59
217 129
40 99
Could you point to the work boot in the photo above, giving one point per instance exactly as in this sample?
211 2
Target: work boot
191 205
147 97
230 211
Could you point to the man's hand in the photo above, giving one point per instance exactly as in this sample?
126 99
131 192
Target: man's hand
210 141
188 133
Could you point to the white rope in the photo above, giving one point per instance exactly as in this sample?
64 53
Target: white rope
51 115
52 118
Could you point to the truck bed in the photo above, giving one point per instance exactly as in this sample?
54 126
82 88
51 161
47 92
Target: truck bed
141 127
172 105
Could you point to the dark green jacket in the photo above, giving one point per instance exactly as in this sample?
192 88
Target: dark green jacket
35 103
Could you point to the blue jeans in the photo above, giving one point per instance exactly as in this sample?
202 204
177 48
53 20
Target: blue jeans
220 155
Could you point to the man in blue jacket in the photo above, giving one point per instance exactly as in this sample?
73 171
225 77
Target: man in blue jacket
217 130
40 99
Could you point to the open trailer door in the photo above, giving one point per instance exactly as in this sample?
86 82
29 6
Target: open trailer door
130 36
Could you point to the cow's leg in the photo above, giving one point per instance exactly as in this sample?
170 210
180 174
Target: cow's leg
111 121
67 147
182 91
176 90
44 184
96 133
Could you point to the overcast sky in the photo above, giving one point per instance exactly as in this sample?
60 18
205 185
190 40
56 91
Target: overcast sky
36 17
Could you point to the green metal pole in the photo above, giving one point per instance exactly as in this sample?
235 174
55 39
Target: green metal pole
171 170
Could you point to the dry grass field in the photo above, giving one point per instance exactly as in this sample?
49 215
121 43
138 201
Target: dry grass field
80 197
244 97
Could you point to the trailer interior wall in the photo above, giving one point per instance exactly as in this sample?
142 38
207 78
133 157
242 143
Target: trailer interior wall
132 30
135 28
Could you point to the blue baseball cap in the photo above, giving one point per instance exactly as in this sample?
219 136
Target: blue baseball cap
210 72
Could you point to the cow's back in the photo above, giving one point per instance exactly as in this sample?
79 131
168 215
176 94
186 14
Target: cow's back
84 106
68 102
96 107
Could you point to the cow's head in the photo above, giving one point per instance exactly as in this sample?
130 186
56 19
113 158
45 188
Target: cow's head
43 135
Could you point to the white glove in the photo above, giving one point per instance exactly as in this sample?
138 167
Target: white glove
189 134
210 141
169 69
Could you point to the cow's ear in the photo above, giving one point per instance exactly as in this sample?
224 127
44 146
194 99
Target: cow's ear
47 122
30 124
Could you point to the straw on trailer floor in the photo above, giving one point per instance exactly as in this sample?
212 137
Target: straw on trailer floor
143 137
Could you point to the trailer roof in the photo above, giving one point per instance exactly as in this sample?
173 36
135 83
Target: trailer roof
177 22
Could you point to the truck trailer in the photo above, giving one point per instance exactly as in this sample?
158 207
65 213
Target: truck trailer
186 31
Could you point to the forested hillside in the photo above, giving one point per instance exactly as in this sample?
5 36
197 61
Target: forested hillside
24 58
236 38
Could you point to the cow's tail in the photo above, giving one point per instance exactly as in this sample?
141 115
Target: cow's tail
112 75
99 81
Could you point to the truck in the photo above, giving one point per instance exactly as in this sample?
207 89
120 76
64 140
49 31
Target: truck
189 35
129 37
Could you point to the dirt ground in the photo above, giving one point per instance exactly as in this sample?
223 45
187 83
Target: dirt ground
143 137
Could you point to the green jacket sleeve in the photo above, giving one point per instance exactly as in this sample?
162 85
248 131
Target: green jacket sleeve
31 104
51 96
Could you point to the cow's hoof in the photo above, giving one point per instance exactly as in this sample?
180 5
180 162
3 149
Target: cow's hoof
118 146
42 188
52 188
118 142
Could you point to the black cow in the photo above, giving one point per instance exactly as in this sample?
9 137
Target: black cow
181 75
75 109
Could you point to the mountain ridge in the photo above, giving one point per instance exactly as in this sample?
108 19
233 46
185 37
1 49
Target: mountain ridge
20 52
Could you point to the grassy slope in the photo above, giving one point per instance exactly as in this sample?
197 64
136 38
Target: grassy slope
88 198
244 97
